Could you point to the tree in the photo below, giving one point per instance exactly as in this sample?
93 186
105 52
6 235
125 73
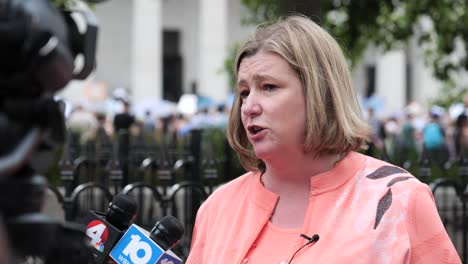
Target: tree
61 3
439 26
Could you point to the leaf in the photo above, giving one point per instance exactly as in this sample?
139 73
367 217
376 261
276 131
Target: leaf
384 203
385 171
398 179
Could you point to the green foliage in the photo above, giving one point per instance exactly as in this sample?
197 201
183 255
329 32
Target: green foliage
410 160
52 173
261 10
229 64
449 95
61 3
440 27
215 138
68 4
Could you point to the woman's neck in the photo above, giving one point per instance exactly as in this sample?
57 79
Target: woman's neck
295 173
290 180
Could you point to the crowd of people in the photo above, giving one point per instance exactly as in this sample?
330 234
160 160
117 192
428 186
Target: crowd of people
89 124
441 135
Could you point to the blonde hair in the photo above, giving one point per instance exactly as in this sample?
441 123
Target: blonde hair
334 122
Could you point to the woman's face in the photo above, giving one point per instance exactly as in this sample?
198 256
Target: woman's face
273 107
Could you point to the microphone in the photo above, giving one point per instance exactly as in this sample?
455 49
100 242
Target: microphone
122 211
138 246
167 232
312 239
309 239
105 229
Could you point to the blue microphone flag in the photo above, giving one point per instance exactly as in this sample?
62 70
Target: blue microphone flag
136 247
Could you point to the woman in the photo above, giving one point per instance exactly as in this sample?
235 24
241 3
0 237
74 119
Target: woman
309 197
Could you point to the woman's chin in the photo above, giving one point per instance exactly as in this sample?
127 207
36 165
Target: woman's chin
263 153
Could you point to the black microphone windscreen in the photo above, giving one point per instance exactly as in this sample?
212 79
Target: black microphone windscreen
126 203
173 226
122 211
167 232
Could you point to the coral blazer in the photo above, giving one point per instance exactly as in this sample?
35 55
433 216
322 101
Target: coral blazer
364 210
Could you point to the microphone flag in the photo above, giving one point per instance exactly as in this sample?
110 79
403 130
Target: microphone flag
101 235
136 247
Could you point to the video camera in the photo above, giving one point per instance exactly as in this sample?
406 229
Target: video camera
42 47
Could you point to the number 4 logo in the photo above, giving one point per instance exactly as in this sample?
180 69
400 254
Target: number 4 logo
97 231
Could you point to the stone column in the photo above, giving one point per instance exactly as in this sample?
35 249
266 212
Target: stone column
391 81
146 49
213 49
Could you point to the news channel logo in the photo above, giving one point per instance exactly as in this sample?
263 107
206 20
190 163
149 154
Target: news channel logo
135 247
97 233
168 259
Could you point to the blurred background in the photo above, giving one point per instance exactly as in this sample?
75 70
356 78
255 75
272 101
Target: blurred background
150 121
401 51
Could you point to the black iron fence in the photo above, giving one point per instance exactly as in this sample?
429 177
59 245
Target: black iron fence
182 201
169 176
173 176
451 196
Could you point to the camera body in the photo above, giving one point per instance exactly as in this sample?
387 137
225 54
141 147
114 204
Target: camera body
39 47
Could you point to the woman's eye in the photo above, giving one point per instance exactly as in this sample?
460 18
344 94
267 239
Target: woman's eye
269 87
244 94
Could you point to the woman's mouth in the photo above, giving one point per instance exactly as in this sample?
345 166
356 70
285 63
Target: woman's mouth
256 133
255 129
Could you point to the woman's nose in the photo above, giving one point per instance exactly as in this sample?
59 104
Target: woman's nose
251 106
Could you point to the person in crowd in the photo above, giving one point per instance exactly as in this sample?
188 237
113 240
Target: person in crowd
434 143
102 130
375 144
220 117
148 123
101 141
407 143
460 136
201 119
123 120
391 130
308 195
122 123
465 103
81 125
81 120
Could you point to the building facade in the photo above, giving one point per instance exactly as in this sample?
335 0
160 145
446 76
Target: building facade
164 48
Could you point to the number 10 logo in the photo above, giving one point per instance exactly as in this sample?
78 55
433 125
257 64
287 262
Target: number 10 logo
135 247
138 251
